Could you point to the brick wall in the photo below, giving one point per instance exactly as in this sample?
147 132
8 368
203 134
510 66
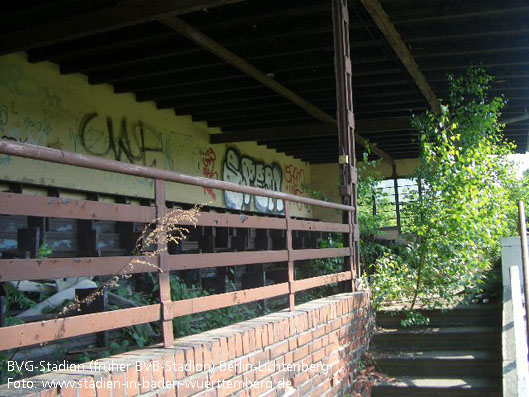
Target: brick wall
309 352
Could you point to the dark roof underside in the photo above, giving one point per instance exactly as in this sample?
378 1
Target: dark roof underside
291 41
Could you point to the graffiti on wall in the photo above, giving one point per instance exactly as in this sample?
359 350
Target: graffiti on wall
123 144
244 170
208 158
138 143
30 130
295 183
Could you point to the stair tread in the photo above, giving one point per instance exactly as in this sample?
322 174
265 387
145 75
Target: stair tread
435 354
448 311
445 383
436 330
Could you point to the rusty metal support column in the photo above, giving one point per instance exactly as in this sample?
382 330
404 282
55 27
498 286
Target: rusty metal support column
163 276
396 190
288 219
345 120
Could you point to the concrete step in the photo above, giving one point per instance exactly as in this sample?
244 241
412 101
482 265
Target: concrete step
432 338
449 387
439 363
461 316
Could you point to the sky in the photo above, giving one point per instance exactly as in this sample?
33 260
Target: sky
521 162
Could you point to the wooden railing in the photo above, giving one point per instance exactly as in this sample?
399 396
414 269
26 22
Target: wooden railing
167 310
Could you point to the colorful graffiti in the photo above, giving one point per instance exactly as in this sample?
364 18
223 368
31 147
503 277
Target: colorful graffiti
244 170
295 183
208 158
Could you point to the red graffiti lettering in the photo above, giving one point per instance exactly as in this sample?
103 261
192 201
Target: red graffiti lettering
208 158
295 179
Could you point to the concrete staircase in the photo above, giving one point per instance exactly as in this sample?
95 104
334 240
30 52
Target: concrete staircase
458 354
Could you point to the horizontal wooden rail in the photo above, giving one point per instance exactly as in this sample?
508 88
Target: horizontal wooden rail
201 261
240 221
23 204
68 327
313 282
315 226
320 253
205 303
54 268
98 163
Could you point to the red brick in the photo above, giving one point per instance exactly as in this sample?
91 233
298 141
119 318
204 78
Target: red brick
259 388
224 350
242 365
258 358
318 332
199 357
207 393
167 393
189 353
264 371
68 391
132 379
105 386
118 384
169 368
292 343
246 342
279 331
292 326
264 334
301 353
53 393
271 334
253 339
215 351
238 345
300 378
229 386
158 371
208 358
304 338
222 373
305 388
278 349
86 388
180 361
232 350
318 355
192 384
258 338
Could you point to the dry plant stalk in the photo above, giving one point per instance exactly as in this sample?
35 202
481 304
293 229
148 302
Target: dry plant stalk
150 243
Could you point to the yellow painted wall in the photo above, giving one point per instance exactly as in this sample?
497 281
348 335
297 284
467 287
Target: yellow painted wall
40 106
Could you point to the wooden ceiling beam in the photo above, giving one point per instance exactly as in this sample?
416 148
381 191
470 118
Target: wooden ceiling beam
226 55
394 39
123 14
310 130
223 53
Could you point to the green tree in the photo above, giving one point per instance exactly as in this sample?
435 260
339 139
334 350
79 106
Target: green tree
465 201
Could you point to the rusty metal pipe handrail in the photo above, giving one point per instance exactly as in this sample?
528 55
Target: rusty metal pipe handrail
92 162
522 228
